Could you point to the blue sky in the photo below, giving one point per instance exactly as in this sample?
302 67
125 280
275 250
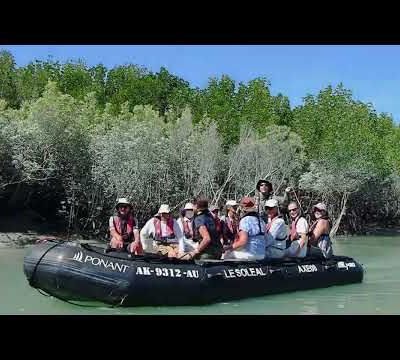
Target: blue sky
371 72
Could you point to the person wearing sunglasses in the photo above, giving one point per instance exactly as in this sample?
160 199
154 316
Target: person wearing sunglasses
265 193
298 237
320 243
123 227
276 231
230 222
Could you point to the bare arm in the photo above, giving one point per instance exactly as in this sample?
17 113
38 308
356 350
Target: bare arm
116 241
302 240
136 235
242 240
321 228
303 237
206 239
115 235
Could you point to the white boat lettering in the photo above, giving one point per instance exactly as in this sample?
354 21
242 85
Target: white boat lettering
144 270
244 272
343 265
95 261
307 268
166 272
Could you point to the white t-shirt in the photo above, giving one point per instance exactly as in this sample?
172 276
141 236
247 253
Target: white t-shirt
186 245
179 221
301 228
147 234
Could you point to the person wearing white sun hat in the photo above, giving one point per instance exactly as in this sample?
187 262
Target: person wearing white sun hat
123 228
276 231
250 244
161 234
185 223
230 222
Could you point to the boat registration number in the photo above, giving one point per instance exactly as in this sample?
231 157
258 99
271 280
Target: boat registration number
166 272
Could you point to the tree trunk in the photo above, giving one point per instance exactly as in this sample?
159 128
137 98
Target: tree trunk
336 224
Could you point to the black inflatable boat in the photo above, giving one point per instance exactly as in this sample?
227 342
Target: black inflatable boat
83 272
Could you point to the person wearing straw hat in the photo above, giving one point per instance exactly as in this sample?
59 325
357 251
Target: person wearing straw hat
276 231
250 244
230 222
161 234
320 243
185 223
123 228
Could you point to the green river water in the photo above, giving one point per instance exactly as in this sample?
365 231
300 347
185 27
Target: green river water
378 294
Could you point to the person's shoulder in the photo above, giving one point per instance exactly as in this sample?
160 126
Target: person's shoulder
302 222
245 223
250 217
323 221
277 198
245 220
150 221
199 219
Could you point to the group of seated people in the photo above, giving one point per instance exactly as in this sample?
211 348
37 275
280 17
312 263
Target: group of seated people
244 232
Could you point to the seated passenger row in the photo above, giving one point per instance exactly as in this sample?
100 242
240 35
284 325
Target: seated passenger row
200 233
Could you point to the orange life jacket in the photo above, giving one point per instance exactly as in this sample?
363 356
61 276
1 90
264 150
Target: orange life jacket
232 225
170 229
218 225
126 233
293 232
187 230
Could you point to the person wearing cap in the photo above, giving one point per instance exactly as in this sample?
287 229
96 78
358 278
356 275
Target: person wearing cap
185 223
265 192
250 244
123 228
319 240
230 222
161 234
276 231
214 210
205 233
298 237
